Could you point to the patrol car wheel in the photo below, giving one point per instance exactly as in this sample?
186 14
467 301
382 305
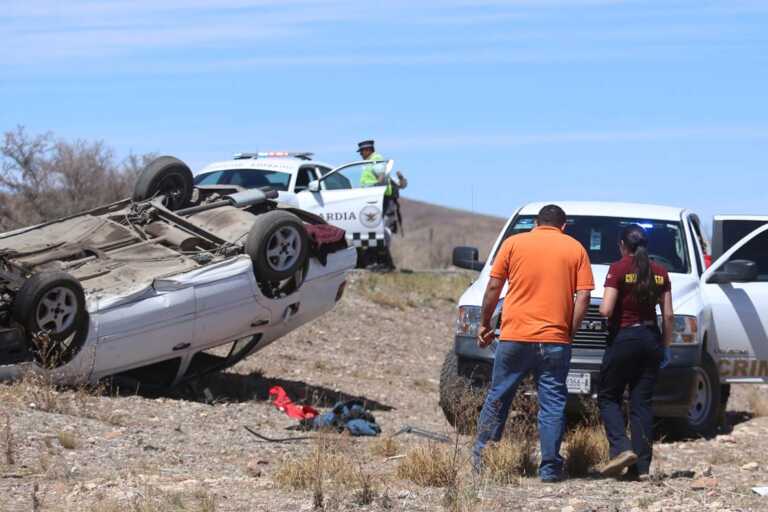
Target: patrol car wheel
278 245
51 308
460 398
168 177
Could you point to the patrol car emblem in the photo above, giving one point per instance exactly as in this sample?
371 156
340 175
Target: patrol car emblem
370 216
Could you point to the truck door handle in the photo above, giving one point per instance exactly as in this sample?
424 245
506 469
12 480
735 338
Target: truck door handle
181 346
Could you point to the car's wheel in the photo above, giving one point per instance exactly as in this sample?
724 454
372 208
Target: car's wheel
278 245
460 397
706 408
168 177
51 308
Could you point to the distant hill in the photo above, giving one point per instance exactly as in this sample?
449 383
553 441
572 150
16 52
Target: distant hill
432 231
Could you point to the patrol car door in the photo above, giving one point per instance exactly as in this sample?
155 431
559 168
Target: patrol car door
735 288
340 198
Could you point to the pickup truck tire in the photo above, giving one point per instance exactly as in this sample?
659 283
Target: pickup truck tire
708 403
278 245
166 176
460 400
51 308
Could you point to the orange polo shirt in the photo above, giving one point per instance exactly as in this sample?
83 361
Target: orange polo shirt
543 268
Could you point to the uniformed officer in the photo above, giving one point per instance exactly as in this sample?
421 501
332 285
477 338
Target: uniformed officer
371 178
634 286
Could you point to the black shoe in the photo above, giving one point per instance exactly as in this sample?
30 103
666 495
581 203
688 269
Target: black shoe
552 479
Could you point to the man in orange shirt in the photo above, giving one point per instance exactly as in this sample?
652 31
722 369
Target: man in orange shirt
549 279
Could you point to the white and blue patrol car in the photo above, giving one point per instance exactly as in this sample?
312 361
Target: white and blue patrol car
334 193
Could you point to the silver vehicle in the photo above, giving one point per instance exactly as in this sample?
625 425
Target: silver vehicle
144 288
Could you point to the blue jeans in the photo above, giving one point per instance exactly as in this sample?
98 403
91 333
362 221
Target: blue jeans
549 363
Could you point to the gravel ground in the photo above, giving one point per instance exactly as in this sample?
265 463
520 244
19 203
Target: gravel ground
111 453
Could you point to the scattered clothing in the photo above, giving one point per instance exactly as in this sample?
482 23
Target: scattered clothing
283 402
325 239
351 416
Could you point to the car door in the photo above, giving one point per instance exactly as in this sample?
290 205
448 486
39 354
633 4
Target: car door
739 309
339 198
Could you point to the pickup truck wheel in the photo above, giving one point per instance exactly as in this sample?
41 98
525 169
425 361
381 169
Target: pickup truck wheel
460 400
51 308
278 245
705 412
168 177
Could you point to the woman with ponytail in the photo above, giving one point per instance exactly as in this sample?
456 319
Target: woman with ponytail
636 350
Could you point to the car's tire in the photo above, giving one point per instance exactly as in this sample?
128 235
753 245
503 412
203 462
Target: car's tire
706 409
460 397
278 244
51 308
166 176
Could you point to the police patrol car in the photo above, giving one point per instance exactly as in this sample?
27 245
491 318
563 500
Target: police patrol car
335 194
720 306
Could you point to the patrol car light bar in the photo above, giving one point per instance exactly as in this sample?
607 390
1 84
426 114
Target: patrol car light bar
304 155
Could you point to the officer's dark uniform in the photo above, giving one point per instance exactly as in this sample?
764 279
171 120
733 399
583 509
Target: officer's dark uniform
632 360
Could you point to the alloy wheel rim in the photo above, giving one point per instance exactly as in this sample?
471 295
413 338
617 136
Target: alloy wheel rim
283 248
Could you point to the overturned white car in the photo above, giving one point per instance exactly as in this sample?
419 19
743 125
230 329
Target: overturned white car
144 288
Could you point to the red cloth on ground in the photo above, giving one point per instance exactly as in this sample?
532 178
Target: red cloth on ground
283 402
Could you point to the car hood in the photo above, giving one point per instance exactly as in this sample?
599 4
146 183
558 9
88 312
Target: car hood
684 289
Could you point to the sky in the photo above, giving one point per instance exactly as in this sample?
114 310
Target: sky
485 104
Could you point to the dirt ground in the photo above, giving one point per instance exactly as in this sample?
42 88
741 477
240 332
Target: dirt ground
75 451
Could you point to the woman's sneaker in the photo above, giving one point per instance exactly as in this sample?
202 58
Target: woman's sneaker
616 465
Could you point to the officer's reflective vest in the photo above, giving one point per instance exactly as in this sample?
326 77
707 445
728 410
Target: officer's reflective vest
368 178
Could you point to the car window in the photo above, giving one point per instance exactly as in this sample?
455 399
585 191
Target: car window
212 178
755 250
305 176
362 175
600 237
246 178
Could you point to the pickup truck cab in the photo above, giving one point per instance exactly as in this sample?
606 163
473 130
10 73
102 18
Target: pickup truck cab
721 310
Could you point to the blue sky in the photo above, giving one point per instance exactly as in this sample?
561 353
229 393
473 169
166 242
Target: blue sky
484 104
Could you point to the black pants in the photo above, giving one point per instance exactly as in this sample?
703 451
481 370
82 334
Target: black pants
631 360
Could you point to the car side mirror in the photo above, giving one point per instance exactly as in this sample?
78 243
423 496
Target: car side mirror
314 186
736 271
467 257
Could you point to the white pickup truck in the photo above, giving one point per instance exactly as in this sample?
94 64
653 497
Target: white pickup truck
721 309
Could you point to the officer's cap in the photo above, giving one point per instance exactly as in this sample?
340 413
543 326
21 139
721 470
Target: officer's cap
366 144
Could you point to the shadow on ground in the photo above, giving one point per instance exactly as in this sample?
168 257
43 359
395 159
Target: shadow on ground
235 387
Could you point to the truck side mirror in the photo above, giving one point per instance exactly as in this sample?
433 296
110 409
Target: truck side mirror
735 271
467 257
314 186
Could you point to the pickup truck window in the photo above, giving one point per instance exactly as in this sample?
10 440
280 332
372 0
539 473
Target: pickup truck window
600 237
246 178
757 251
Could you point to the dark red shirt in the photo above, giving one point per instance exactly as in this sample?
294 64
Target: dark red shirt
623 277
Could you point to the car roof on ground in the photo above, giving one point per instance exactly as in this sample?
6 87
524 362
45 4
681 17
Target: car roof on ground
282 164
610 209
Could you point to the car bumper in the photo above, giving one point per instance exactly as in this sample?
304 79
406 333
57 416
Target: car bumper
672 396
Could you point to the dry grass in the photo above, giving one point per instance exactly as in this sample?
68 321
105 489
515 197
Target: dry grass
510 459
411 290
153 500
586 446
36 391
385 447
430 465
328 464
758 401
67 440
9 447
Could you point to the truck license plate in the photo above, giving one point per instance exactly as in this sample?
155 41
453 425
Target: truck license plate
579 383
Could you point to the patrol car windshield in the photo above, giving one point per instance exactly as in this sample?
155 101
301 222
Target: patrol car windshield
246 178
600 237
